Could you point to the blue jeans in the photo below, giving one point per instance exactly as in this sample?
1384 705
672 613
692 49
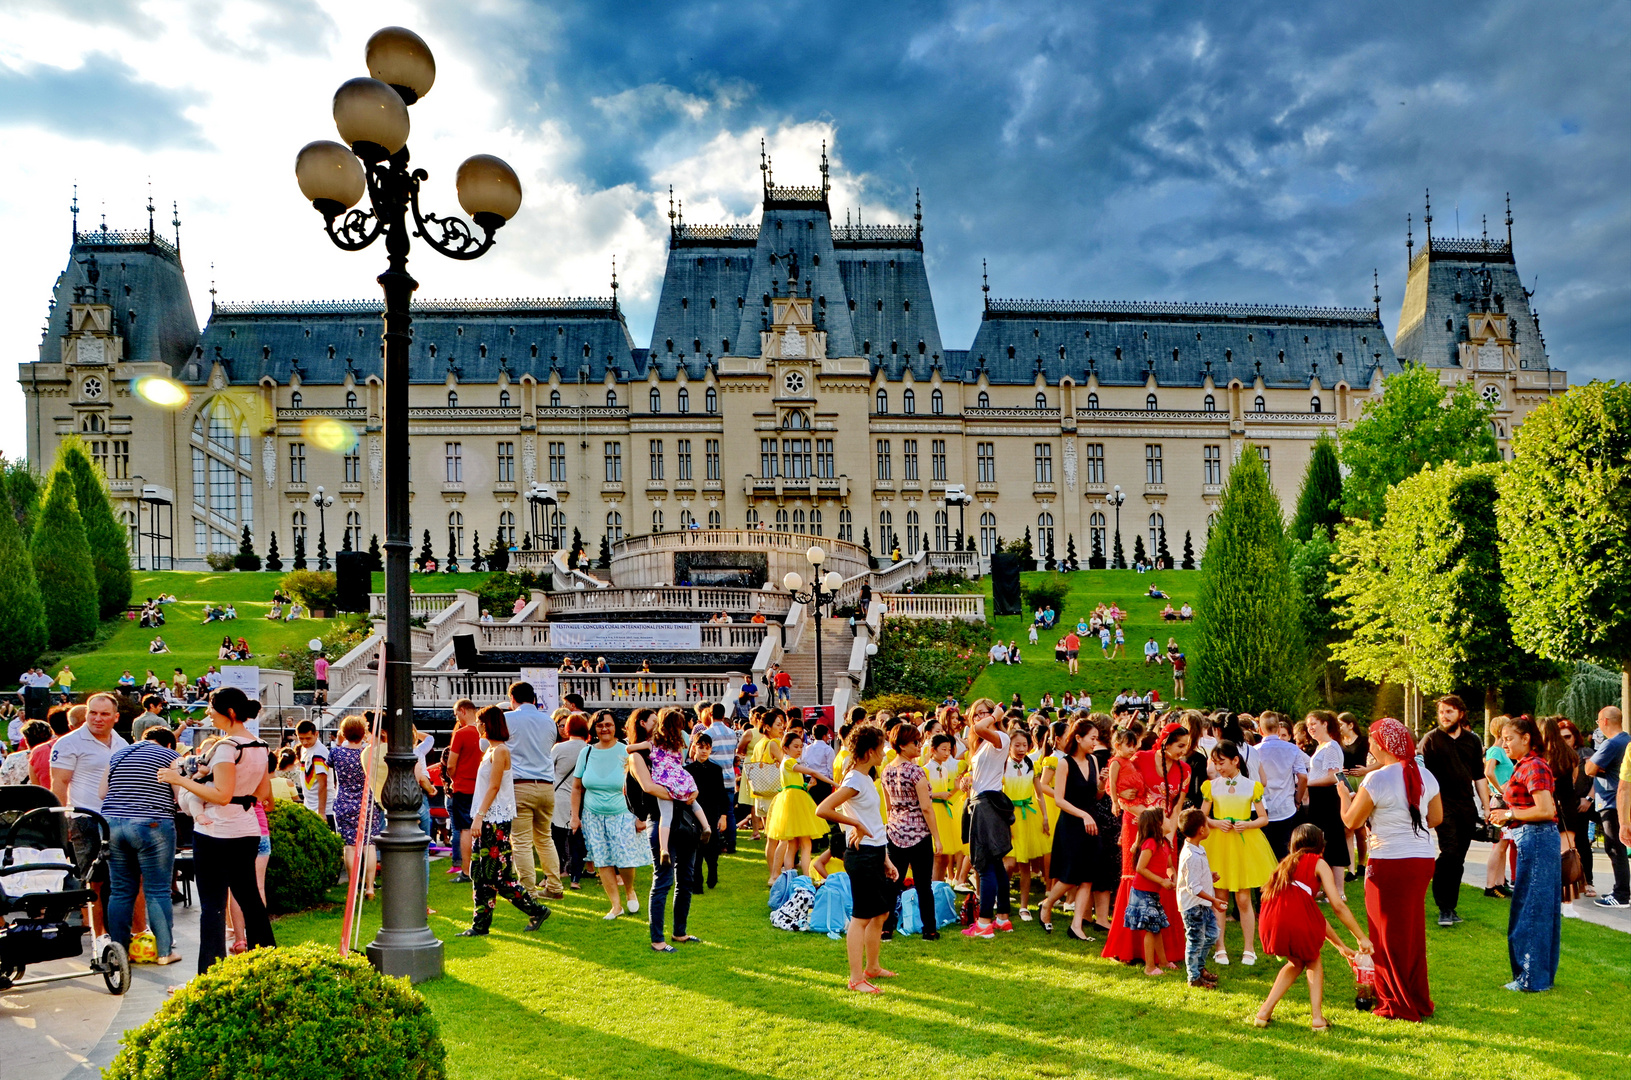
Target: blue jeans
682 863
425 824
1535 918
1200 934
141 854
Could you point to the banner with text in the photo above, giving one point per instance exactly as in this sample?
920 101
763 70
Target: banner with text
546 685
595 636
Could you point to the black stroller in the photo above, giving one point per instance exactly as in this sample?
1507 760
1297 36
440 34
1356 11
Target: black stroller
50 853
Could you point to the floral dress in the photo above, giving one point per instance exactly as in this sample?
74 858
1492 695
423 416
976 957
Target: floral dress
350 791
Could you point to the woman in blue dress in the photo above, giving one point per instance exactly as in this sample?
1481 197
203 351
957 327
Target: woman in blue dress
351 795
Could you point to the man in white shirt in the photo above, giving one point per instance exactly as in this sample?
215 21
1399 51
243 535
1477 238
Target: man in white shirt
532 738
79 778
1282 769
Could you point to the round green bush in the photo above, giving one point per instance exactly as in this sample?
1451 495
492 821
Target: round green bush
301 1013
307 858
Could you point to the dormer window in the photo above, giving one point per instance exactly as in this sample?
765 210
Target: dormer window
295 400
453 399
984 400
908 402
504 399
351 399
937 403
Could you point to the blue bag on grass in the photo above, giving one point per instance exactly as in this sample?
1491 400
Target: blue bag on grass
908 920
833 904
781 890
945 904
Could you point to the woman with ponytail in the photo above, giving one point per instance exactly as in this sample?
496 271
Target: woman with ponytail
1399 804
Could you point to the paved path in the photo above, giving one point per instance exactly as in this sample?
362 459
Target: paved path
1583 908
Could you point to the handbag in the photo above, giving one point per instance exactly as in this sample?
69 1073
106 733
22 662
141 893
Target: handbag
764 778
1574 872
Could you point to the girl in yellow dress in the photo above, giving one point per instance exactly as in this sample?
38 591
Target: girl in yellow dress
793 822
1236 847
944 772
1031 839
768 751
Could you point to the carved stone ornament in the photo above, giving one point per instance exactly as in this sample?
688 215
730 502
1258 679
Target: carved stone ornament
269 461
376 460
1070 464
792 344
529 458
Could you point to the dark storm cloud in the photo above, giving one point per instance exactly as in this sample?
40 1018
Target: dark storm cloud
103 96
1249 151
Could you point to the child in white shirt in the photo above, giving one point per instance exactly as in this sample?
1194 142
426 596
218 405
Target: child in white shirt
1197 900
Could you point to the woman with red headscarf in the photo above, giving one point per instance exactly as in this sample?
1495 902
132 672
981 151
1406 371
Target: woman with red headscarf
1162 778
1399 804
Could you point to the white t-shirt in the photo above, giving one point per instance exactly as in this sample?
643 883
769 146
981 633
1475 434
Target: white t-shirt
88 757
1194 876
1326 757
988 764
314 764
864 807
1391 836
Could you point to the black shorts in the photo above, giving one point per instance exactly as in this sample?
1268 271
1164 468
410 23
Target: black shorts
459 805
321 684
869 887
86 837
1070 654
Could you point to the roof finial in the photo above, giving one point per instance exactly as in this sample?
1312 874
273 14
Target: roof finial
985 285
1427 218
918 215
671 208
150 235
681 218
1376 292
614 284
826 186
1509 220
175 219
1409 244
212 288
73 208
1485 218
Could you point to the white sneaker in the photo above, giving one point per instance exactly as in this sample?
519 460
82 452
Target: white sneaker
1249 958
1220 958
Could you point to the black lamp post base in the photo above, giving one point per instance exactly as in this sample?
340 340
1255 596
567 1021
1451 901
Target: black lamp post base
415 953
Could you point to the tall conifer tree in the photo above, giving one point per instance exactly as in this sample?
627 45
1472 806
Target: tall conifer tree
1319 502
108 538
23 633
63 564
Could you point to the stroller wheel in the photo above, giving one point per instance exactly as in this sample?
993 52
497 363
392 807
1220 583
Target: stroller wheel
115 966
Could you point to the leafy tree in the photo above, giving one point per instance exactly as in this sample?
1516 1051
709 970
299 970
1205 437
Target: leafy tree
1070 551
1119 561
1163 552
246 558
376 560
1095 558
299 550
1565 525
23 631
1138 549
1319 501
273 563
23 487
63 565
1251 644
605 560
1189 552
477 563
426 555
106 534
1413 424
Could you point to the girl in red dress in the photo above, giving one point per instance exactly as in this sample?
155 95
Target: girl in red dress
1153 779
1293 927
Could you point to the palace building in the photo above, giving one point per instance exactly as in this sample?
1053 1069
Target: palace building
795 379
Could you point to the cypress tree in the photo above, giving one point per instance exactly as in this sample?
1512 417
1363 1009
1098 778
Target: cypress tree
1120 560
1319 502
63 565
376 561
476 561
866 546
1163 552
246 558
1048 559
605 561
23 633
322 549
425 554
273 563
1026 548
452 564
300 551
1070 551
971 545
1138 549
24 489
108 538
1095 558
1189 552
345 540
498 559
1248 614
575 556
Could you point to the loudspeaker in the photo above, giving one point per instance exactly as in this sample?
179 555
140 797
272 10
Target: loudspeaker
352 580
1005 570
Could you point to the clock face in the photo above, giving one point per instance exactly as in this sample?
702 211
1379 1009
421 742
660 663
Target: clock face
794 382
92 387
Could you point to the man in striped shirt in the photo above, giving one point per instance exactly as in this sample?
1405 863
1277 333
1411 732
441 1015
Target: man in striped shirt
141 815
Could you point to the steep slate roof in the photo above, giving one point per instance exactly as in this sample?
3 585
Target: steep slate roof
1450 278
1123 342
477 338
140 275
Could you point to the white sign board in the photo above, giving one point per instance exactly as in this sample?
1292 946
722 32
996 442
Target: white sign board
246 677
596 636
546 684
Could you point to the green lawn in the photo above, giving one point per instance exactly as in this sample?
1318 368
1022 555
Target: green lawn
1102 679
587 998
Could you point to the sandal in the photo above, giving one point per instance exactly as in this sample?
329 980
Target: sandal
1261 1021
173 958
864 987
1322 1029
881 973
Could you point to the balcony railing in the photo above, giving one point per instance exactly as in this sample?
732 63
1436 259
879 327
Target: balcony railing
524 637
965 606
440 689
419 603
732 538
704 600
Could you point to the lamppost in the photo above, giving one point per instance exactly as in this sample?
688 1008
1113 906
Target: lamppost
957 494
821 589
322 502
372 117
541 500
1117 497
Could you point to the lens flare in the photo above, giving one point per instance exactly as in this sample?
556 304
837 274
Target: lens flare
157 390
329 434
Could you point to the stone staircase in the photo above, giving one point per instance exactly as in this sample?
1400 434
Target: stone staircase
836 643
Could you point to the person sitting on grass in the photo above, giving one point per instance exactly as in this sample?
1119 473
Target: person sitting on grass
243 650
157 645
227 651
229 612
296 611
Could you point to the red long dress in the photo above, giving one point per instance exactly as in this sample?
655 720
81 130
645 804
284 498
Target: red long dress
1141 786
1291 923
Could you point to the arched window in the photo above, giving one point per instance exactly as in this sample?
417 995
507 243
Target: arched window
504 399
781 520
506 528
455 534
752 518
886 533
297 529
556 530
942 531
798 521
984 400
1093 402
937 403
453 399
815 522
687 520
93 423
554 399
1314 404
1150 403
351 399
1097 540
657 520
914 533
846 526
656 400
715 521
611 399
1260 405
353 530
796 421
1041 401
1044 533
710 400
883 401
1210 404
614 527
1158 528
296 400
908 401
988 533
685 400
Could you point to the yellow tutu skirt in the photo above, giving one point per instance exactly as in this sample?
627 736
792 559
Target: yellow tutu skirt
793 816
1241 860
948 818
1030 842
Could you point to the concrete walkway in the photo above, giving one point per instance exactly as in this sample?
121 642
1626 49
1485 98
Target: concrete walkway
1584 908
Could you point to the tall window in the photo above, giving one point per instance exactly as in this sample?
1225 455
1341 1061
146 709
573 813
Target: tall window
1094 463
687 520
1212 457
715 520
937 459
611 399
796 459
1210 404
908 401
1044 463
656 459
682 459
455 463
222 482
711 458
1093 402
1152 463
986 460
353 465
1158 526
557 462
506 463
555 529
937 403
656 405
752 518
657 520
710 400
846 526
942 531
823 462
1044 533
885 469
781 520
815 522
685 400
798 521
882 400
297 528
614 462
886 533
767 458
1096 534
455 534
1263 455
506 528
297 463
908 459
1259 404
1150 402
614 527
988 533
120 461
353 530
984 400
1041 400
914 533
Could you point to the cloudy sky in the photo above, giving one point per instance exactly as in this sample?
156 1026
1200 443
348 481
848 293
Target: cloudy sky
1247 151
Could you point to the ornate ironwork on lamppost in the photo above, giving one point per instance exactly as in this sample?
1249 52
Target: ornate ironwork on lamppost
322 502
371 114
821 590
1117 497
